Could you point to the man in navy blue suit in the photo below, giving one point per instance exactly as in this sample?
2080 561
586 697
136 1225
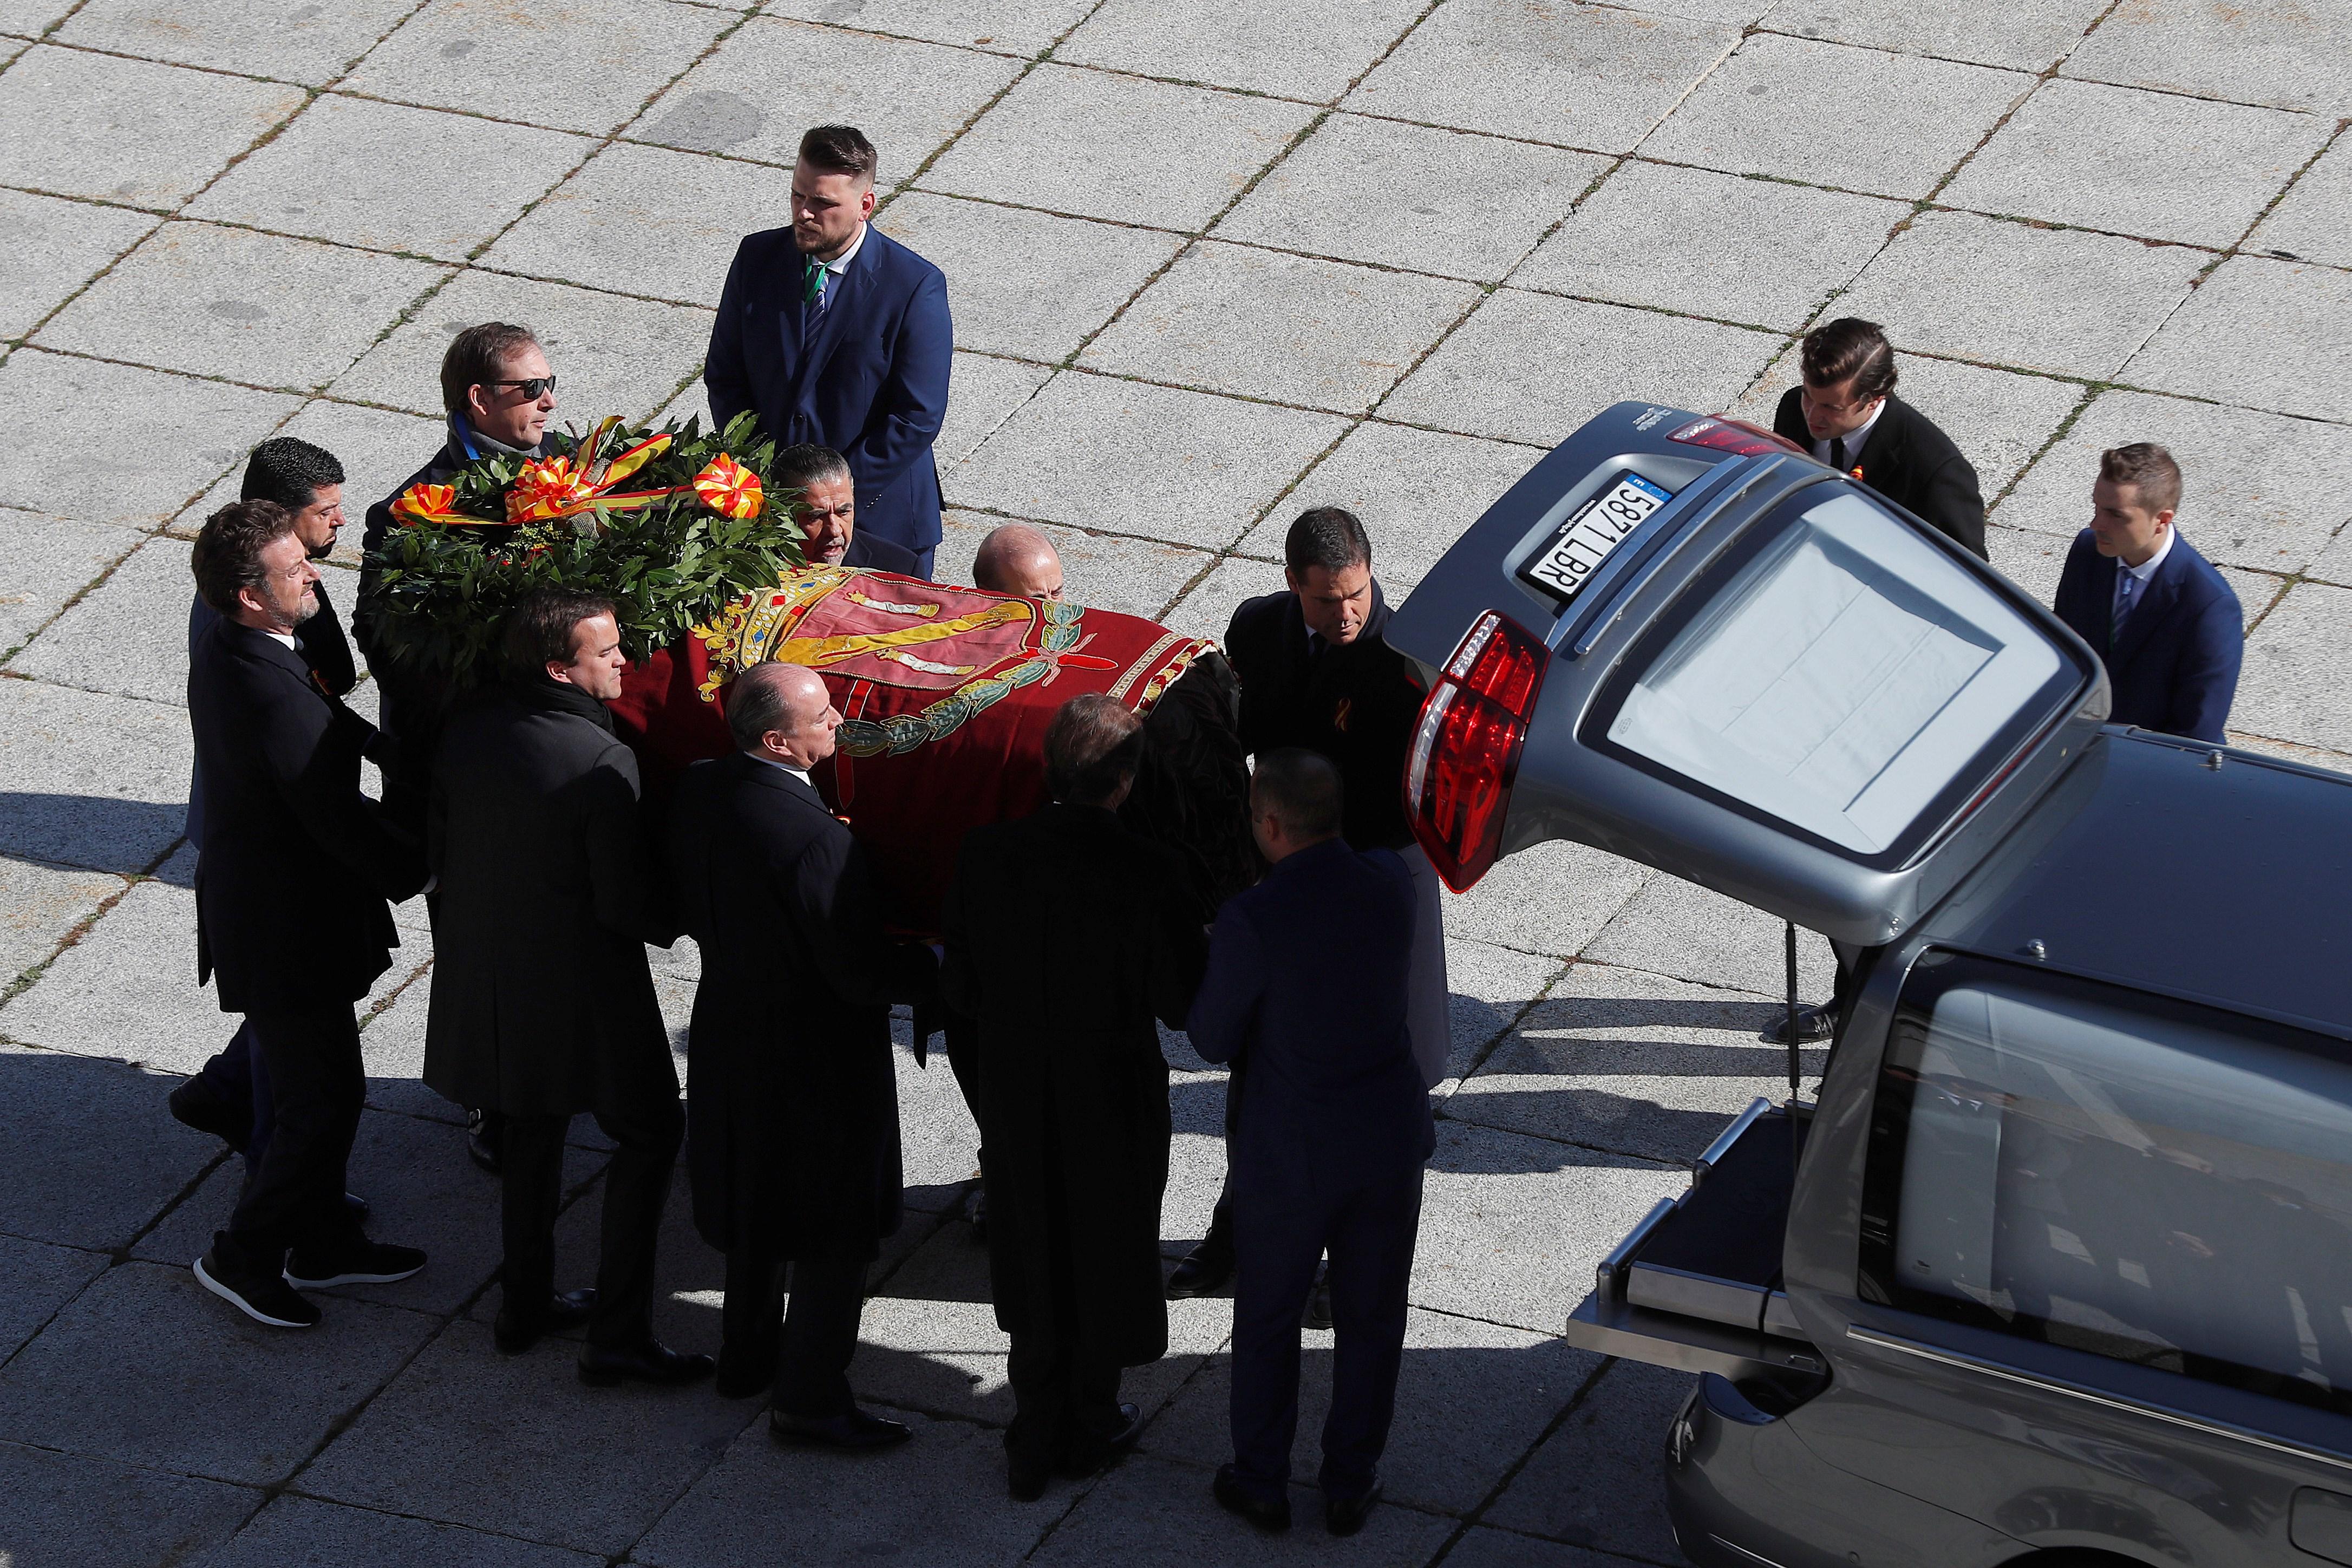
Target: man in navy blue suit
838 336
2167 625
1307 977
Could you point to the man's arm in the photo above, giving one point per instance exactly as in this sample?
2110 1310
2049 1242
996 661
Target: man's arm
2206 681
629 893
1226 1011
724 374
914 398
312 758
840 915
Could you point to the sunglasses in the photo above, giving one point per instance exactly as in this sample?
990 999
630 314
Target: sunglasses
535 388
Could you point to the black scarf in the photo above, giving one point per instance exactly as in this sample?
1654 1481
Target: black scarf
548 695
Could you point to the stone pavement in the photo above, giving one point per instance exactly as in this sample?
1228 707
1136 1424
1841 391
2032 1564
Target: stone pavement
1209 264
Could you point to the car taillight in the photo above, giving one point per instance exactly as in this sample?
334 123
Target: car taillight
1736 437
1465 750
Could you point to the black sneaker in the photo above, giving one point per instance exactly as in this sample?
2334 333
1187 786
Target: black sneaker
193 1104
356 1262
264 1297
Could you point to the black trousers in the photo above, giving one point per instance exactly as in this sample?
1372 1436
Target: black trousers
293 1196
1370 1230
807 1348
1219 1242
235 1076
1066 1403
636 1186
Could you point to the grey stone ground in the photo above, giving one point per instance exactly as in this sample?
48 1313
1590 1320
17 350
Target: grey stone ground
1209 264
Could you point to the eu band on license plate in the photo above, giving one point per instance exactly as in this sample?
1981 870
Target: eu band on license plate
1598 527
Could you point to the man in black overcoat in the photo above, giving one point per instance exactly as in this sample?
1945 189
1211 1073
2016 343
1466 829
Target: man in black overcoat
291 917
793 1118
543 1006
1065 935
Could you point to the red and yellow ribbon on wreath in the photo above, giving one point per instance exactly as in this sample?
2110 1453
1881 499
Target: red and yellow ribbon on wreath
553 487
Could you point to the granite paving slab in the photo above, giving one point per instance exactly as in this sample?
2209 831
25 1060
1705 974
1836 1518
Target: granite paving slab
191 431
2268 334
772 79
150 1519
518 1446
1534 368
1258 323
2314 222
1680 929
119 638
2026 34
1906 120
71 1190
1551 897
116 1375
1313 49
983 392
36 1281
2267 51
1151 1513
1575 76
1010 27
49 559
1094 451
1485 1547
1119 147
309 45
1471 1399
1073 274
29 19
53 249
2292 685
39 908
295 1529
255 308
346 170
84 124
127 989
1487 989
1598 1481
614 54
2335 563
1206 610
93 781
1360 189
1134 576
2129 162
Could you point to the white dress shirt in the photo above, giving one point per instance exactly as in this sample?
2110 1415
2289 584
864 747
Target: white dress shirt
1854 440
800 774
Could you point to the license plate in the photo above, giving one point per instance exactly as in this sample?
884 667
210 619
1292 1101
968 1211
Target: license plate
1598 527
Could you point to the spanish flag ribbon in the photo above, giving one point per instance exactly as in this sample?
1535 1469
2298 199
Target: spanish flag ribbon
729 489
432 503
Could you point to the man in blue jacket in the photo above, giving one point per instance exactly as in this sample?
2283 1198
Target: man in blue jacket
1307 976
2167 625
838 336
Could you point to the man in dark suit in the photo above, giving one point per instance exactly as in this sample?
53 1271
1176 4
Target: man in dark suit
838 336
542 1004
824 503
1846 414
1308 981
1317 672
1074 1090
2168 627
793 1110
228 1098
292 889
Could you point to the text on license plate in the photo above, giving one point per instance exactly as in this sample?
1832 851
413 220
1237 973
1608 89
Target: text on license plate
1598 526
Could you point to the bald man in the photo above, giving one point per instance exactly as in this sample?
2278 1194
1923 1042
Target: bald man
1018 558
792 1108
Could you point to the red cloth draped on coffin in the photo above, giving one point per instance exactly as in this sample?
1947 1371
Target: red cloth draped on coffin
945 693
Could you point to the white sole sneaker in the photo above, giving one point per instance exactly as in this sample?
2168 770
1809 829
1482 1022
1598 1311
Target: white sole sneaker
240 1304
332 1281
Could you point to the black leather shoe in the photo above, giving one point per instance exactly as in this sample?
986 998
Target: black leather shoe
1025 1480
1345 1517
1815 1023
486 1138
358 1261
564 1308
855 1430
1203 1272
193 1104
1272 1518
651 1361
1317 1314
264 1297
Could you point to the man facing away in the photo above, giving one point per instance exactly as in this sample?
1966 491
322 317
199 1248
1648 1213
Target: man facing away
228 1098
824 503
291 917
1308 981
1066 936
542 1004
1846 414
2166 625
794 1108
1317 672
835 334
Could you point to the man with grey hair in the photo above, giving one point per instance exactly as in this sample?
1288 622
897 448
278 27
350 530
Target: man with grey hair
824 503
1018 558
791 1102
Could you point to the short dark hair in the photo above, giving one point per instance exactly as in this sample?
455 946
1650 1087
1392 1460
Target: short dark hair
543 626
1092 745
756 704
227 556
839 150
2146 466
477 357
1849 349
799 467
1302 788
1328 537
289 471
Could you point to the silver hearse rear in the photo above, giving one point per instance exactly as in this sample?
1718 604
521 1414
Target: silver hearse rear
2059 1265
